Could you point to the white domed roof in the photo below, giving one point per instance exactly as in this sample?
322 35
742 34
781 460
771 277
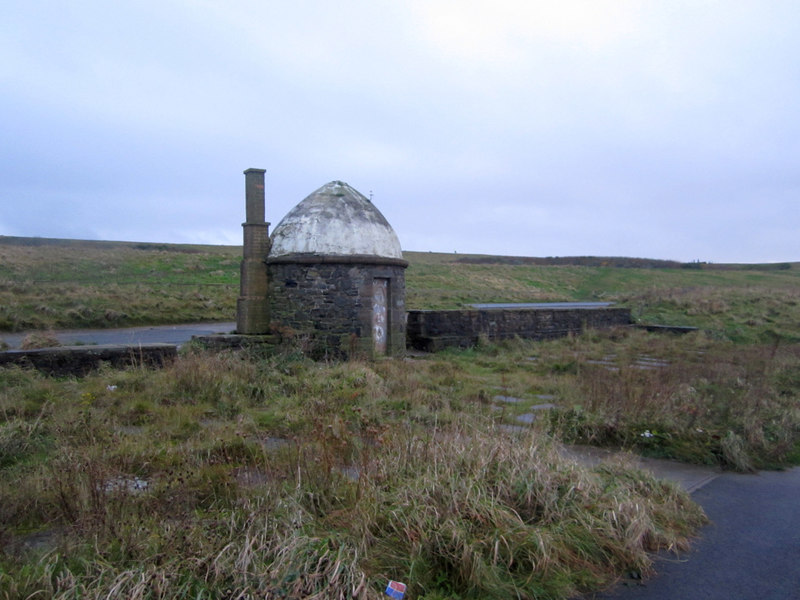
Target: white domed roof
335 220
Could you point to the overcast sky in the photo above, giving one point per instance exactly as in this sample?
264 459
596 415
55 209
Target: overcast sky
659 129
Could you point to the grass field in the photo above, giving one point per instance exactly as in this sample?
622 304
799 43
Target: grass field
737 302
48 284
71 284
244 475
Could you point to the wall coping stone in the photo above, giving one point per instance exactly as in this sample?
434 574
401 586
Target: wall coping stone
310 259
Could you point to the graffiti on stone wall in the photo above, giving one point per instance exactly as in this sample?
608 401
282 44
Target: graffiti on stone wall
380 309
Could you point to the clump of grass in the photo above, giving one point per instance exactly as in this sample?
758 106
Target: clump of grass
481 515
461 513
19 440
39 339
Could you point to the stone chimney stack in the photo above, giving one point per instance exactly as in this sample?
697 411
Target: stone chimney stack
252 307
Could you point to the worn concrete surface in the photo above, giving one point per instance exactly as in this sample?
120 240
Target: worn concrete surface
690 477
750 551
541 305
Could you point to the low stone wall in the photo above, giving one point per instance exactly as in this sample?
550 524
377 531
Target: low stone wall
235 341
80 360
432 330
427 330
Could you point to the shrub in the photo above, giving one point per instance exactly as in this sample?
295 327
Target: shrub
39 339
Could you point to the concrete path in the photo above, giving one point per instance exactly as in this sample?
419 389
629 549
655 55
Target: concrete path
750 551
163 334
690 477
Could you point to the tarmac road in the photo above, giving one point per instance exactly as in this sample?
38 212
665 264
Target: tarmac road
163 334
750 551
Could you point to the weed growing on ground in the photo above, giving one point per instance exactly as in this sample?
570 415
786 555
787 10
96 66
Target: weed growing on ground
40 339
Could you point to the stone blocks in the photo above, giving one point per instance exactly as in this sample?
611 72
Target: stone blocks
330 304
432 330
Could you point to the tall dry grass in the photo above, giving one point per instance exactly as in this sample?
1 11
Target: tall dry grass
228 475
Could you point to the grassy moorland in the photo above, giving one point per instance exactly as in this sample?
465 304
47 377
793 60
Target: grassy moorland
242 475
745 303
56 284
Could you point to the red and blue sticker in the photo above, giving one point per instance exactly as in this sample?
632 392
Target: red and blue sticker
396 590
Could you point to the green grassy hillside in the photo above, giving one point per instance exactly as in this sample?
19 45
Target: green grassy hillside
737 302
67 283
47 283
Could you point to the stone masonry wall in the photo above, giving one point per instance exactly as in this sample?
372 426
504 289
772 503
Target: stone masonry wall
331 305
80 360
432 330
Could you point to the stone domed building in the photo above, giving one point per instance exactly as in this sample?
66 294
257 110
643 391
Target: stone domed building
335 273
